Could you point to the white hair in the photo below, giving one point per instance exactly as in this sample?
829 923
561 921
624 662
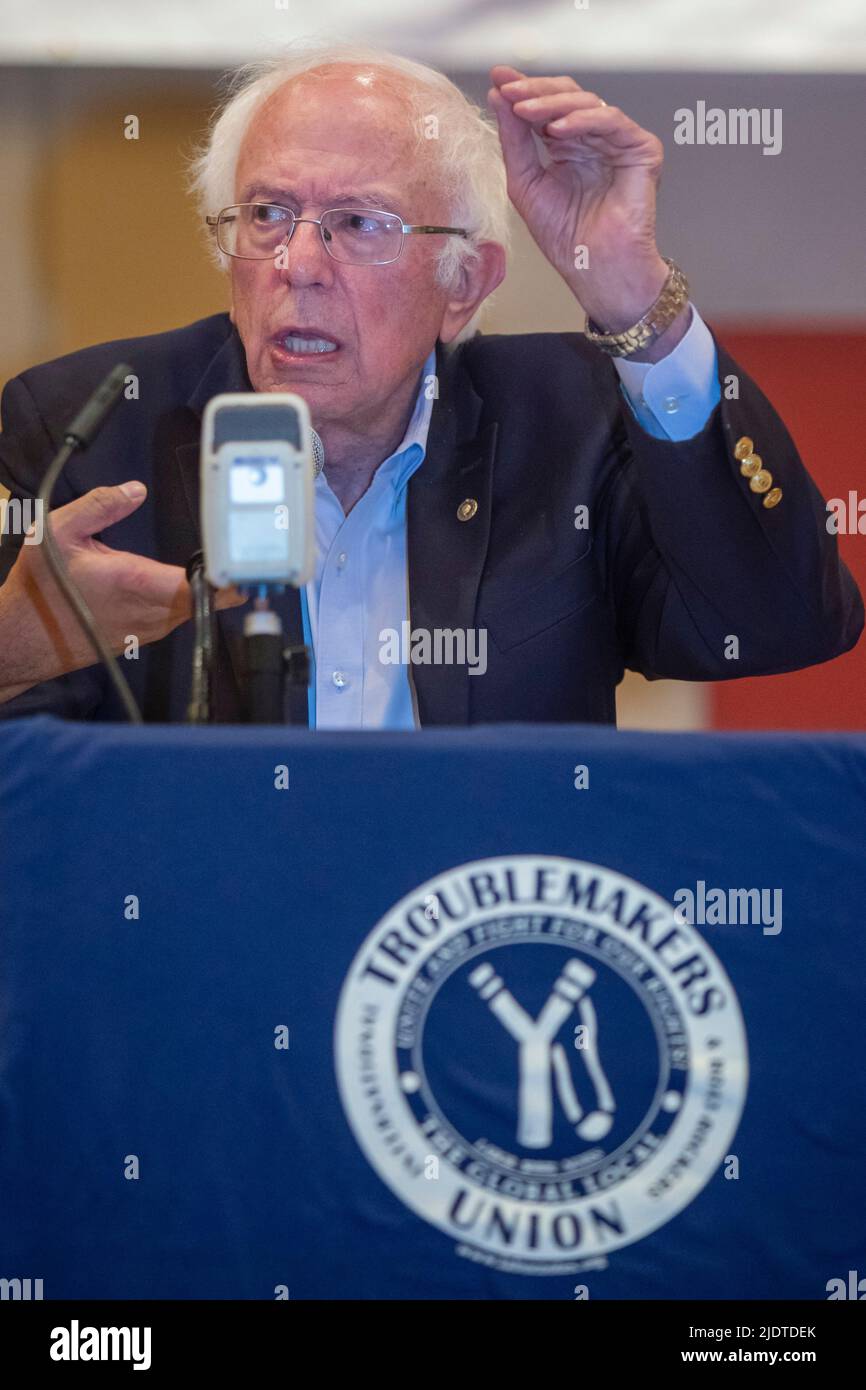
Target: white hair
464 143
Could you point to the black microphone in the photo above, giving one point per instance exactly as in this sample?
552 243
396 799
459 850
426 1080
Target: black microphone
88 421
80 433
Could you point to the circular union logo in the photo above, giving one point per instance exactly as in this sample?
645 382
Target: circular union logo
540 1059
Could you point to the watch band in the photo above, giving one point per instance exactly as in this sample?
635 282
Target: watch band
659 316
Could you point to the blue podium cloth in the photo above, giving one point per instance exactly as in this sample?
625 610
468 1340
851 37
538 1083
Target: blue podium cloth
177 932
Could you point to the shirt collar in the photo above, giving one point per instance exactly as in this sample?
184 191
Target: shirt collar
409 454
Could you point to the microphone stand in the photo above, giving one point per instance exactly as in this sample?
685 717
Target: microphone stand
199 707
270 665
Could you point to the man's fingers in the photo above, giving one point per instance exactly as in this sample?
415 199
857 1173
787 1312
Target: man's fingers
515 136
229 598
613 134
503 73
161 587
166 586
96 510
541 109
520 87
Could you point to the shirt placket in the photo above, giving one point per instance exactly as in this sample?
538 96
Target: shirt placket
340 629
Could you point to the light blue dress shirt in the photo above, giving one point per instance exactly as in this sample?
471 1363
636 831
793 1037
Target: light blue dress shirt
360 589
674 398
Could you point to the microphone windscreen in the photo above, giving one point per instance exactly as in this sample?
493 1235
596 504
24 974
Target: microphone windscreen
318 454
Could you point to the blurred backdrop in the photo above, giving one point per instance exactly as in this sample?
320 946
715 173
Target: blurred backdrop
100 239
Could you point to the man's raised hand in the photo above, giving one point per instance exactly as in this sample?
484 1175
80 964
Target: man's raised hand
598 192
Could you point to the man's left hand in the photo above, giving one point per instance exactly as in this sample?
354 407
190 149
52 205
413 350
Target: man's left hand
598 192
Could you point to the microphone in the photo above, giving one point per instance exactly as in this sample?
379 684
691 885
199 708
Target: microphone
79 435
318 454
260 457
88 421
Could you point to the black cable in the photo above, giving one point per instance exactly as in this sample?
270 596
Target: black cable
81 433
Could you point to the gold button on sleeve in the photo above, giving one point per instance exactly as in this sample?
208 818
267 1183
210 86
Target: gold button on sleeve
773 497
751 464
761 481
743 447
467 509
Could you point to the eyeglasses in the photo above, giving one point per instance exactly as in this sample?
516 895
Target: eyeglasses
354 236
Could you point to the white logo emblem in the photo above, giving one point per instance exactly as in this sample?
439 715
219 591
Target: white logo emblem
540 1060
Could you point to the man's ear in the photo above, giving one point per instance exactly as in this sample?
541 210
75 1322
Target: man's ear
478 278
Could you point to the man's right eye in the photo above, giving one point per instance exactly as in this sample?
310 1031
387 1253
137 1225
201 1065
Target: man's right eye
266 212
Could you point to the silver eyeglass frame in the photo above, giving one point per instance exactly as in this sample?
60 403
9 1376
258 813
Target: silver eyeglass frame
406 228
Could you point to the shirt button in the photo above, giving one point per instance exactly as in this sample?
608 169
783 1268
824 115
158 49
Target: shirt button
341 560
339 680
671 404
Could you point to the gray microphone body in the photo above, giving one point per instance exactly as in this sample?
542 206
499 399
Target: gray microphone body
259 460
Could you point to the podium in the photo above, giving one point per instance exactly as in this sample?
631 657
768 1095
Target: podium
497 1013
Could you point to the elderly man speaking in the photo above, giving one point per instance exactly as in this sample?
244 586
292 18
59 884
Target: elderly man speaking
575 504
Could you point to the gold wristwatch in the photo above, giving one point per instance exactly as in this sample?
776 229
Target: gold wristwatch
660 315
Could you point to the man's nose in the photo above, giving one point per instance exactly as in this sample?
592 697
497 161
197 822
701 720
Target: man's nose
304 260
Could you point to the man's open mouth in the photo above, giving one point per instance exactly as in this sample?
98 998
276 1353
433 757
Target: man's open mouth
305 343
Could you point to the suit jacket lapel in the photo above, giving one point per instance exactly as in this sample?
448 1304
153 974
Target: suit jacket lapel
446 553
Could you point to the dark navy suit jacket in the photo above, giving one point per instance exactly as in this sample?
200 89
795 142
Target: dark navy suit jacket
679 554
